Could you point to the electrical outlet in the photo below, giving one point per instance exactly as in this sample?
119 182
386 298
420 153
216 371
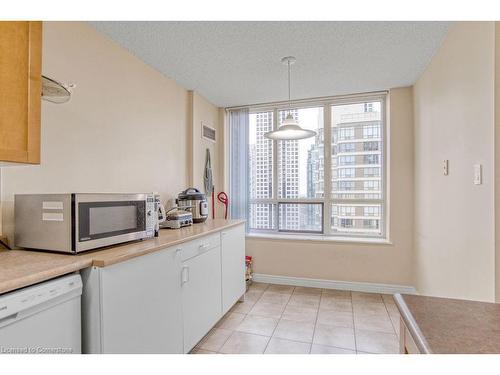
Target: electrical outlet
445 167
478 174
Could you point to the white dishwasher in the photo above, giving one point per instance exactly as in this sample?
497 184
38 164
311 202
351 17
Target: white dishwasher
42 319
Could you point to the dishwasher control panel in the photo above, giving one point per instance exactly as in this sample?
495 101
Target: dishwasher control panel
19 301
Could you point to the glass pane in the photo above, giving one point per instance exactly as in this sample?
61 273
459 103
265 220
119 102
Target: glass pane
301 163
261 216
357 151
352 219
301 217
260 165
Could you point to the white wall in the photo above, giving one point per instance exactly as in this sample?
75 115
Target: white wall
205 112
124 130
454 219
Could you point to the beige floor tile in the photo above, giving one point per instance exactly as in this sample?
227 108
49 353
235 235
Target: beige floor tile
340 337
369 308
336 318
304 300
215 339
202 351
243 307
396 324
286 289
392 309
306 290
253 295
258 286
300 314
388 299
374 322
366 297
275 297
245 343
281 346
292 330
231 320
377 342
323 349
271 310
333 303
341 294
259 325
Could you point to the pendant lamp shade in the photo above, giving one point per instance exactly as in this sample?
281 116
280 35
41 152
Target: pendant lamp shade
290 128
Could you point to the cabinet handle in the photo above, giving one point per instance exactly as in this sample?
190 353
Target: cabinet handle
178 251
204 247
223 233
184 275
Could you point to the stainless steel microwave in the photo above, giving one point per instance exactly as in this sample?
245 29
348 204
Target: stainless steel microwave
71 223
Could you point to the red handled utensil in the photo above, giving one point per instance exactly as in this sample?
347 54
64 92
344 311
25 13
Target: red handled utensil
223 198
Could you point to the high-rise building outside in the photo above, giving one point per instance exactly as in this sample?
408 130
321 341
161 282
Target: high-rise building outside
356 163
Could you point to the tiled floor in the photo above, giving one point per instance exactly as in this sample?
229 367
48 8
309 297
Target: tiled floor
297 320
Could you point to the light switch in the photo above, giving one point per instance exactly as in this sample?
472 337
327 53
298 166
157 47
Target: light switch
445 167
478 174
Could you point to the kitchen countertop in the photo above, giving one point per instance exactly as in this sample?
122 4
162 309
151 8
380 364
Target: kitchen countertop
443 325
21 268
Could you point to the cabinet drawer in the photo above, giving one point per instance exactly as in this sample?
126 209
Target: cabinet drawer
196 247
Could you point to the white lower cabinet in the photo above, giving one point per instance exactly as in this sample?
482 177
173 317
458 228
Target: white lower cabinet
201 295
134 306
233 266
166 301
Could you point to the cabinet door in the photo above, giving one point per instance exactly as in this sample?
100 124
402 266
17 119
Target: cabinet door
140 305
233 266
201 295
20 91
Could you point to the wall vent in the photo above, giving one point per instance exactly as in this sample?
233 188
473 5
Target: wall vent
208 133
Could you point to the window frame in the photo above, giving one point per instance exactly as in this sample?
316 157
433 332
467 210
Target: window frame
327 201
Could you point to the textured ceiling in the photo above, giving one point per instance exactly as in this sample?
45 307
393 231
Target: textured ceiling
238 63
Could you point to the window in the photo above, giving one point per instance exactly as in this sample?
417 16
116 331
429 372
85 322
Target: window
370 159
371 131
347 173
311 187
371 172
347 160
346 134
365 192
370 146
347 147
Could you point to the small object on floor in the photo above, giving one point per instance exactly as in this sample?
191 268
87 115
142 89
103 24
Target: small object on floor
249 271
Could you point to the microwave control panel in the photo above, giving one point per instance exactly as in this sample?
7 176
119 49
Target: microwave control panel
150 215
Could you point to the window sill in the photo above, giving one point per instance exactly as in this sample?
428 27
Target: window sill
318 238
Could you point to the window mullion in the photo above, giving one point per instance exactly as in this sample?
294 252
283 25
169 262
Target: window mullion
275 171
327 165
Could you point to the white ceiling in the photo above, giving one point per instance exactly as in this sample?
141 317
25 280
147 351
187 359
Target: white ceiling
238 63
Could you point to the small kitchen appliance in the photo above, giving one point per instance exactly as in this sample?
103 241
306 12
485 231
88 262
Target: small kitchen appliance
71 223
194 201
176 219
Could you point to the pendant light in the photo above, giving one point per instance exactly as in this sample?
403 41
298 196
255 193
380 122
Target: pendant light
289 129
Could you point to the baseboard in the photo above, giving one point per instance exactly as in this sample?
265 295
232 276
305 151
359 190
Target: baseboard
333 284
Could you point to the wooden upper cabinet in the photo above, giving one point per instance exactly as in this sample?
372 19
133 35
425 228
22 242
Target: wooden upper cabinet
20 91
